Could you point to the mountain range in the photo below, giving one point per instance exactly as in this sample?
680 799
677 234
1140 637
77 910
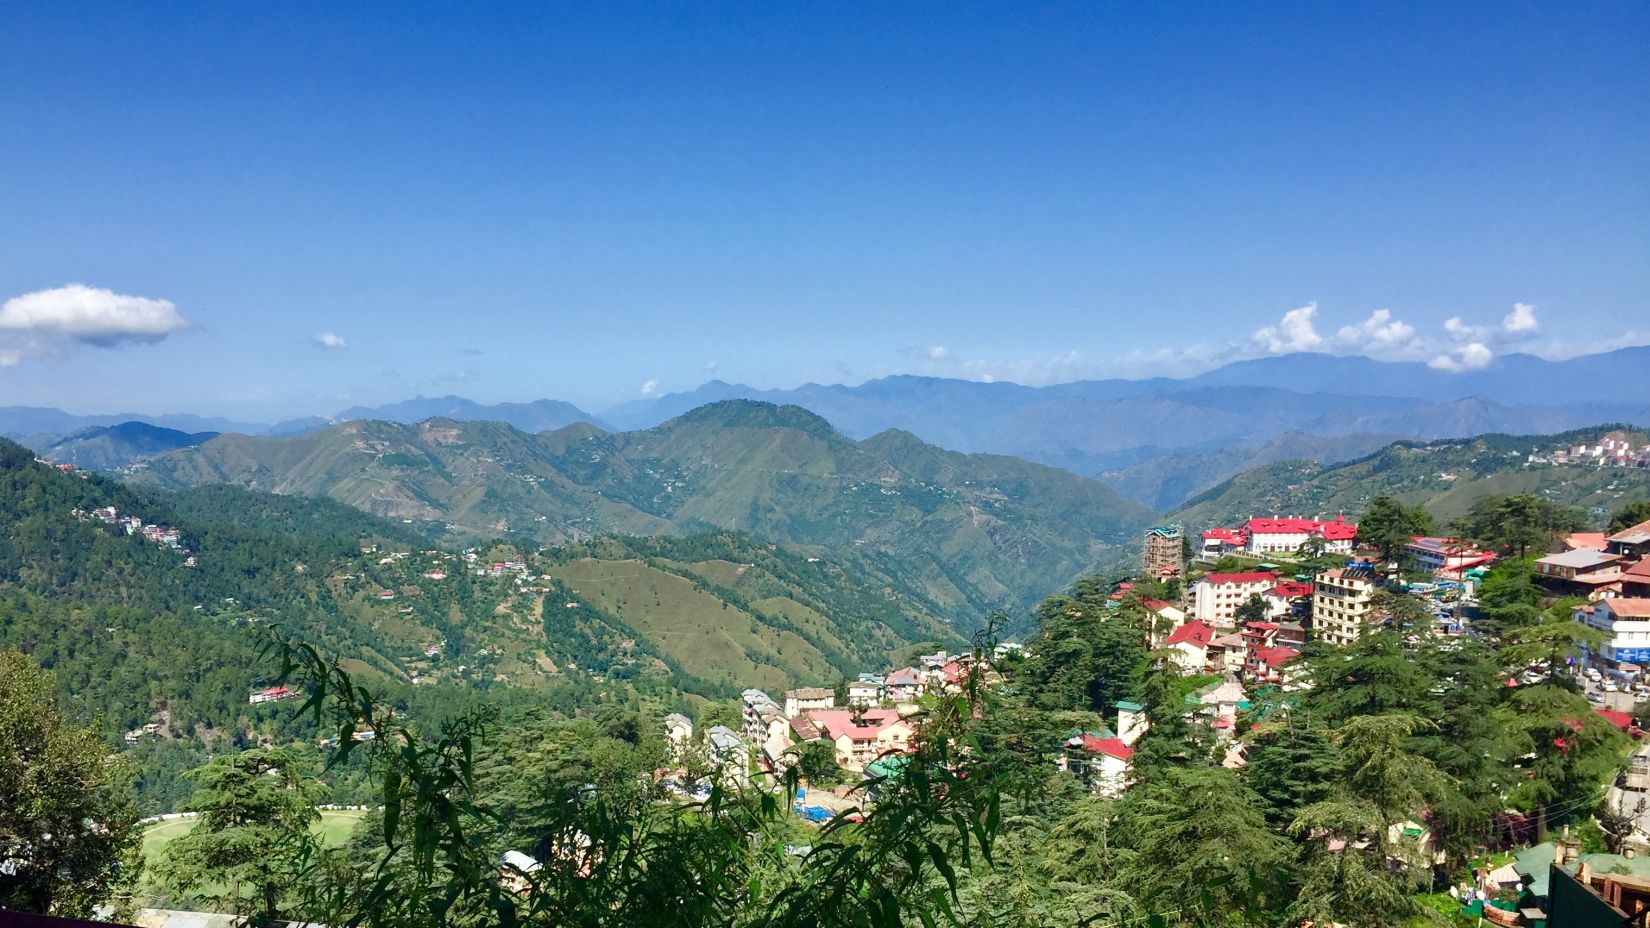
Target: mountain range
969 533
1203 429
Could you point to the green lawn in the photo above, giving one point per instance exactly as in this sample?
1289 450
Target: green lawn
333 829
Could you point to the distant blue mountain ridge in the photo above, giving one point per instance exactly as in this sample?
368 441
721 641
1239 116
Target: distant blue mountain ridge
1317 406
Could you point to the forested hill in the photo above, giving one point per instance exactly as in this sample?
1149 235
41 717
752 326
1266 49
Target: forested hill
966 533
139 632
1444 476
114 446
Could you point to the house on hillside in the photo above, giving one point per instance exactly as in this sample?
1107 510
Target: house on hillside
1267 666
1289 597
866 691
1100 760
272 694
904 685
1226 653
862 737
1166 617
1190 644
678 733
1219 700
1584 572
808 699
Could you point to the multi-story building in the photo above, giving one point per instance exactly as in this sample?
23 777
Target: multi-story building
1342 600
807 699
1165 546
1217 596
1286 536
1582 572
1446 555
1626 622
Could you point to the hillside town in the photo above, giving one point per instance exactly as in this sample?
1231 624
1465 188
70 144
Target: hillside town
1613 449
1236 636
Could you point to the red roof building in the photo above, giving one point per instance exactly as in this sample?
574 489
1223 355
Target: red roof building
1195 633
1109 747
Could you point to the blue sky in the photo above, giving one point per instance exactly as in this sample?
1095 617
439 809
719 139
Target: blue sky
586 201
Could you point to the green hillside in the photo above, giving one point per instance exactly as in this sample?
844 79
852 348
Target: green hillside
1445 476
141 634
964 533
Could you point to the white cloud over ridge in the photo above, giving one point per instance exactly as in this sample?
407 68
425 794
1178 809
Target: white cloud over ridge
1381 335
651 388
1469 357
331 341
1296 331
90 315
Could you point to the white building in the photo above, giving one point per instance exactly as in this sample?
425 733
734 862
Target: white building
1286 535
1626 622
1216 597
808 699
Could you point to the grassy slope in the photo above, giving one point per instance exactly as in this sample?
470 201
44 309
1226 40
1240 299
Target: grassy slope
704 635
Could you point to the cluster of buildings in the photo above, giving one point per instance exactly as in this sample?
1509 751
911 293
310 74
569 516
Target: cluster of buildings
871 724
1611 571
154 533
1596 565
1612 450
514 564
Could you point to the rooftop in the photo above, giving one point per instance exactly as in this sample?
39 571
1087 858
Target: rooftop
1254 576
1594 540
1627 607
1338 530
1579 558
1632 535
1194 633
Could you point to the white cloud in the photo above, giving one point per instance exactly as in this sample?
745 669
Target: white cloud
651 388
1469 357
10 358
712 365
1379 333
1462 332
330 340
939 352
1294 332
1521 320
91 315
